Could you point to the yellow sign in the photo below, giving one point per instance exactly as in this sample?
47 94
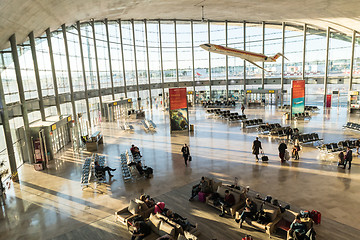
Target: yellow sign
190 92
129 100
248 91
271 91
69 120
53 127
115 103
354 93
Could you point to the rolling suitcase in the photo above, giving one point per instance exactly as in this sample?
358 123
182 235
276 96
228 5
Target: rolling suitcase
247 237
263 157
316 216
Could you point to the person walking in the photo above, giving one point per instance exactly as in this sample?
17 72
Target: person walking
282 148
186 153
289 133
256 148
242 109
348 157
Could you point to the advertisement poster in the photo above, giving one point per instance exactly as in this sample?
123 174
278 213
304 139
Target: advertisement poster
297 96
178 109
328 100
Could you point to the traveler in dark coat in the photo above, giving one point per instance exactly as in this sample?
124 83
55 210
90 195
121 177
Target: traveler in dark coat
289 133
348 157
186 153
256 148
282 148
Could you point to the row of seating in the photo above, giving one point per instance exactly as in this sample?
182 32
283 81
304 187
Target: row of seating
307 137
88 170
148 125
340 146
219 104
307 108
125 170
128 127
86 173
230 116
99 176
251 122
213 110
353 126
280 132
266 128
302 115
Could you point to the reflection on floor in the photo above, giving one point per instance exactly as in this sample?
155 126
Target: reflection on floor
50 204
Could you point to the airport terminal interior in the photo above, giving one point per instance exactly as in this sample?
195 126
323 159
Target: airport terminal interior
99 98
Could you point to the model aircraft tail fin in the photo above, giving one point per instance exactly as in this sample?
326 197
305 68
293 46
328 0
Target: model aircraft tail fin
276 56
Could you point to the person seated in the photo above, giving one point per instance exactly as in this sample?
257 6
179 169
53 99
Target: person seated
249 211
84 139
203 186
101 170
227 202
147 200
135 151
298 229
141 230
183 222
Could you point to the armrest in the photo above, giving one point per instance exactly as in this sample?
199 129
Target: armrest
234 208
271 226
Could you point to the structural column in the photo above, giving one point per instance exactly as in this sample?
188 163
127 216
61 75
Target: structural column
136 70
84 73
122 57
4 114
176 56
69 73
352 60
209 62
109 53
22 98
326 63
193 57
161 65
37 76
244 33
53 72
304 52
226 62
97 66
147 61
282 63
263 52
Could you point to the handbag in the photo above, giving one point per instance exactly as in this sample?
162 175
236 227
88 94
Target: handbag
190 158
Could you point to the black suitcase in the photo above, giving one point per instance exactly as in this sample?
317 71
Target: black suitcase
264 158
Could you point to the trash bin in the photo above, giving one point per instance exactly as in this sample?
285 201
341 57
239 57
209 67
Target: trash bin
287 116
191 127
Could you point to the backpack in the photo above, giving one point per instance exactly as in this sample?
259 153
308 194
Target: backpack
268 199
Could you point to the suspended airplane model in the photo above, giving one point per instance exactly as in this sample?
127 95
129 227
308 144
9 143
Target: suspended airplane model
247 56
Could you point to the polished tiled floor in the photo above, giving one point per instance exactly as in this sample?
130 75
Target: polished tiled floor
50 204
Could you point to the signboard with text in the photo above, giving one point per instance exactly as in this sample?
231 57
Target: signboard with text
178 109
297 96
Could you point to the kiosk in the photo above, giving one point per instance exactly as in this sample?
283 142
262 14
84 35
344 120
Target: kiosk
262 97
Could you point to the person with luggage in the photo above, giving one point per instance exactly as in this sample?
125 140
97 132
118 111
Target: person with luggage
348 157
341 159
135 151
256 148
203 186
249 211
282 149
298 229
242 109
186 153
227 202
289 133
296 150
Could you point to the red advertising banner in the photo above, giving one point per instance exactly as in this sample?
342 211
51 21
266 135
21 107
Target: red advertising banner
328 100
178 98
298 89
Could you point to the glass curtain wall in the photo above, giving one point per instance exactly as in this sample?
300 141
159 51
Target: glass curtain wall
183 31
272 46
169 54
253 44
356 67
75 59
8 77
102 55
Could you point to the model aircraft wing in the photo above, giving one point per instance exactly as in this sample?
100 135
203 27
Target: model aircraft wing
256 65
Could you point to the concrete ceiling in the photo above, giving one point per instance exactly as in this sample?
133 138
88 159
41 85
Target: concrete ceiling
23 16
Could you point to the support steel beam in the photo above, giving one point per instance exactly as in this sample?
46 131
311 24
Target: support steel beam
53 72
109 55
4 114
193 58
304 52
161 65
147 62
176 55
326 64
244 33
352 60
24 112
282 63
263 51
135 62
226 62
84 73
92 23
209 62
37 76
63 27
122 57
